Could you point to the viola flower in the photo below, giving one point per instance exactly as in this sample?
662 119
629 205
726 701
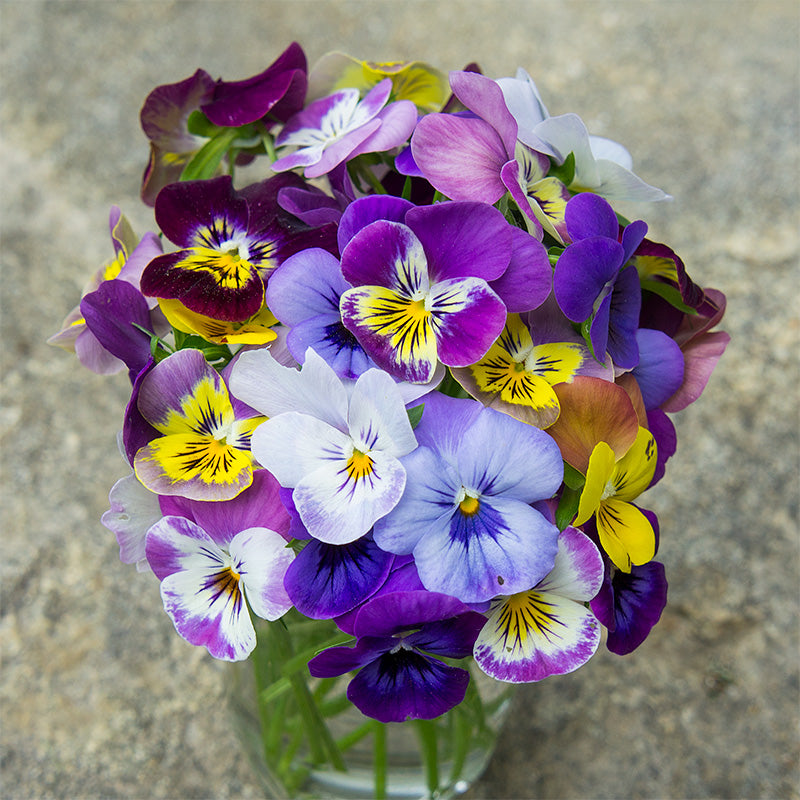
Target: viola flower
422 84
625 533
629 604
338 448
278 91
659 372
341 126
304 293
401 638
516 376
466 514
164 118
219 560
420 287
478 156
547 630
203 452
230 241
593 283
131 256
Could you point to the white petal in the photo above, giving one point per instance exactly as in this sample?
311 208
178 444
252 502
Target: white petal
261 557
377 418
578 569
293 445
133 510
271 389
339 505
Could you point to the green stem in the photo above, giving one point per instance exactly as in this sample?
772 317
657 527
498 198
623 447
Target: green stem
320 740
461 731
426 729
379 761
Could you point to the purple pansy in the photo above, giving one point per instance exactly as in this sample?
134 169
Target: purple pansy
421 290
401 637
230 241
629 604
593 283
342 126
466 513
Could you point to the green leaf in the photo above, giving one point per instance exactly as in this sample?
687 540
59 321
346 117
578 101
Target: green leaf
206 160
572 478
199 125
564 172
567 507
415 414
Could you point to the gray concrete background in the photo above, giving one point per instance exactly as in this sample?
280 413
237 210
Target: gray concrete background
99 697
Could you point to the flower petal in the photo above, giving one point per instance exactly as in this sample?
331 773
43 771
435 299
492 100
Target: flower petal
625 534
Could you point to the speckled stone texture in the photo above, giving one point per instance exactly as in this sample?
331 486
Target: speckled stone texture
99 697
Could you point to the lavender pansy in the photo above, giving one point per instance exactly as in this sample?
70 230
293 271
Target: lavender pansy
466 513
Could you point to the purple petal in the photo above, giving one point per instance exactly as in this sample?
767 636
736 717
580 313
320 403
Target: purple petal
529 278
366 210
462 239
407 685
630 605
326 580
663 431
582 271
626 302
137 432
589 215
111 313
460 156
397 122
392 612
451 638
659 372
484 97
337 661
468 316
700 357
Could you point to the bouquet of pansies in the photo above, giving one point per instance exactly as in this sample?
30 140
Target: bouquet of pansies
412 376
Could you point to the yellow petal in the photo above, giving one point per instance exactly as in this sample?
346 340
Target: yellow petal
625 534
598 474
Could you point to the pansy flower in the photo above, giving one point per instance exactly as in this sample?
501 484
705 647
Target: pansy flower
466 515
337 447
342 126
229 242
203 450
217 562
547 630
421 289
516 376
593 282
131 256
629 604
401 639
478 156
612 483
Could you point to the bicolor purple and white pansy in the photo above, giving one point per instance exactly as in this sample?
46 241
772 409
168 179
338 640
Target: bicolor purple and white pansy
466 514
546 630
342 126
337 446
223 560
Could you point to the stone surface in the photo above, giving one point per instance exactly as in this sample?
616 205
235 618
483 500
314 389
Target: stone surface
98 696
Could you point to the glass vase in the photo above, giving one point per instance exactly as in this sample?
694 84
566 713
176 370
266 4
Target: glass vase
306 740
